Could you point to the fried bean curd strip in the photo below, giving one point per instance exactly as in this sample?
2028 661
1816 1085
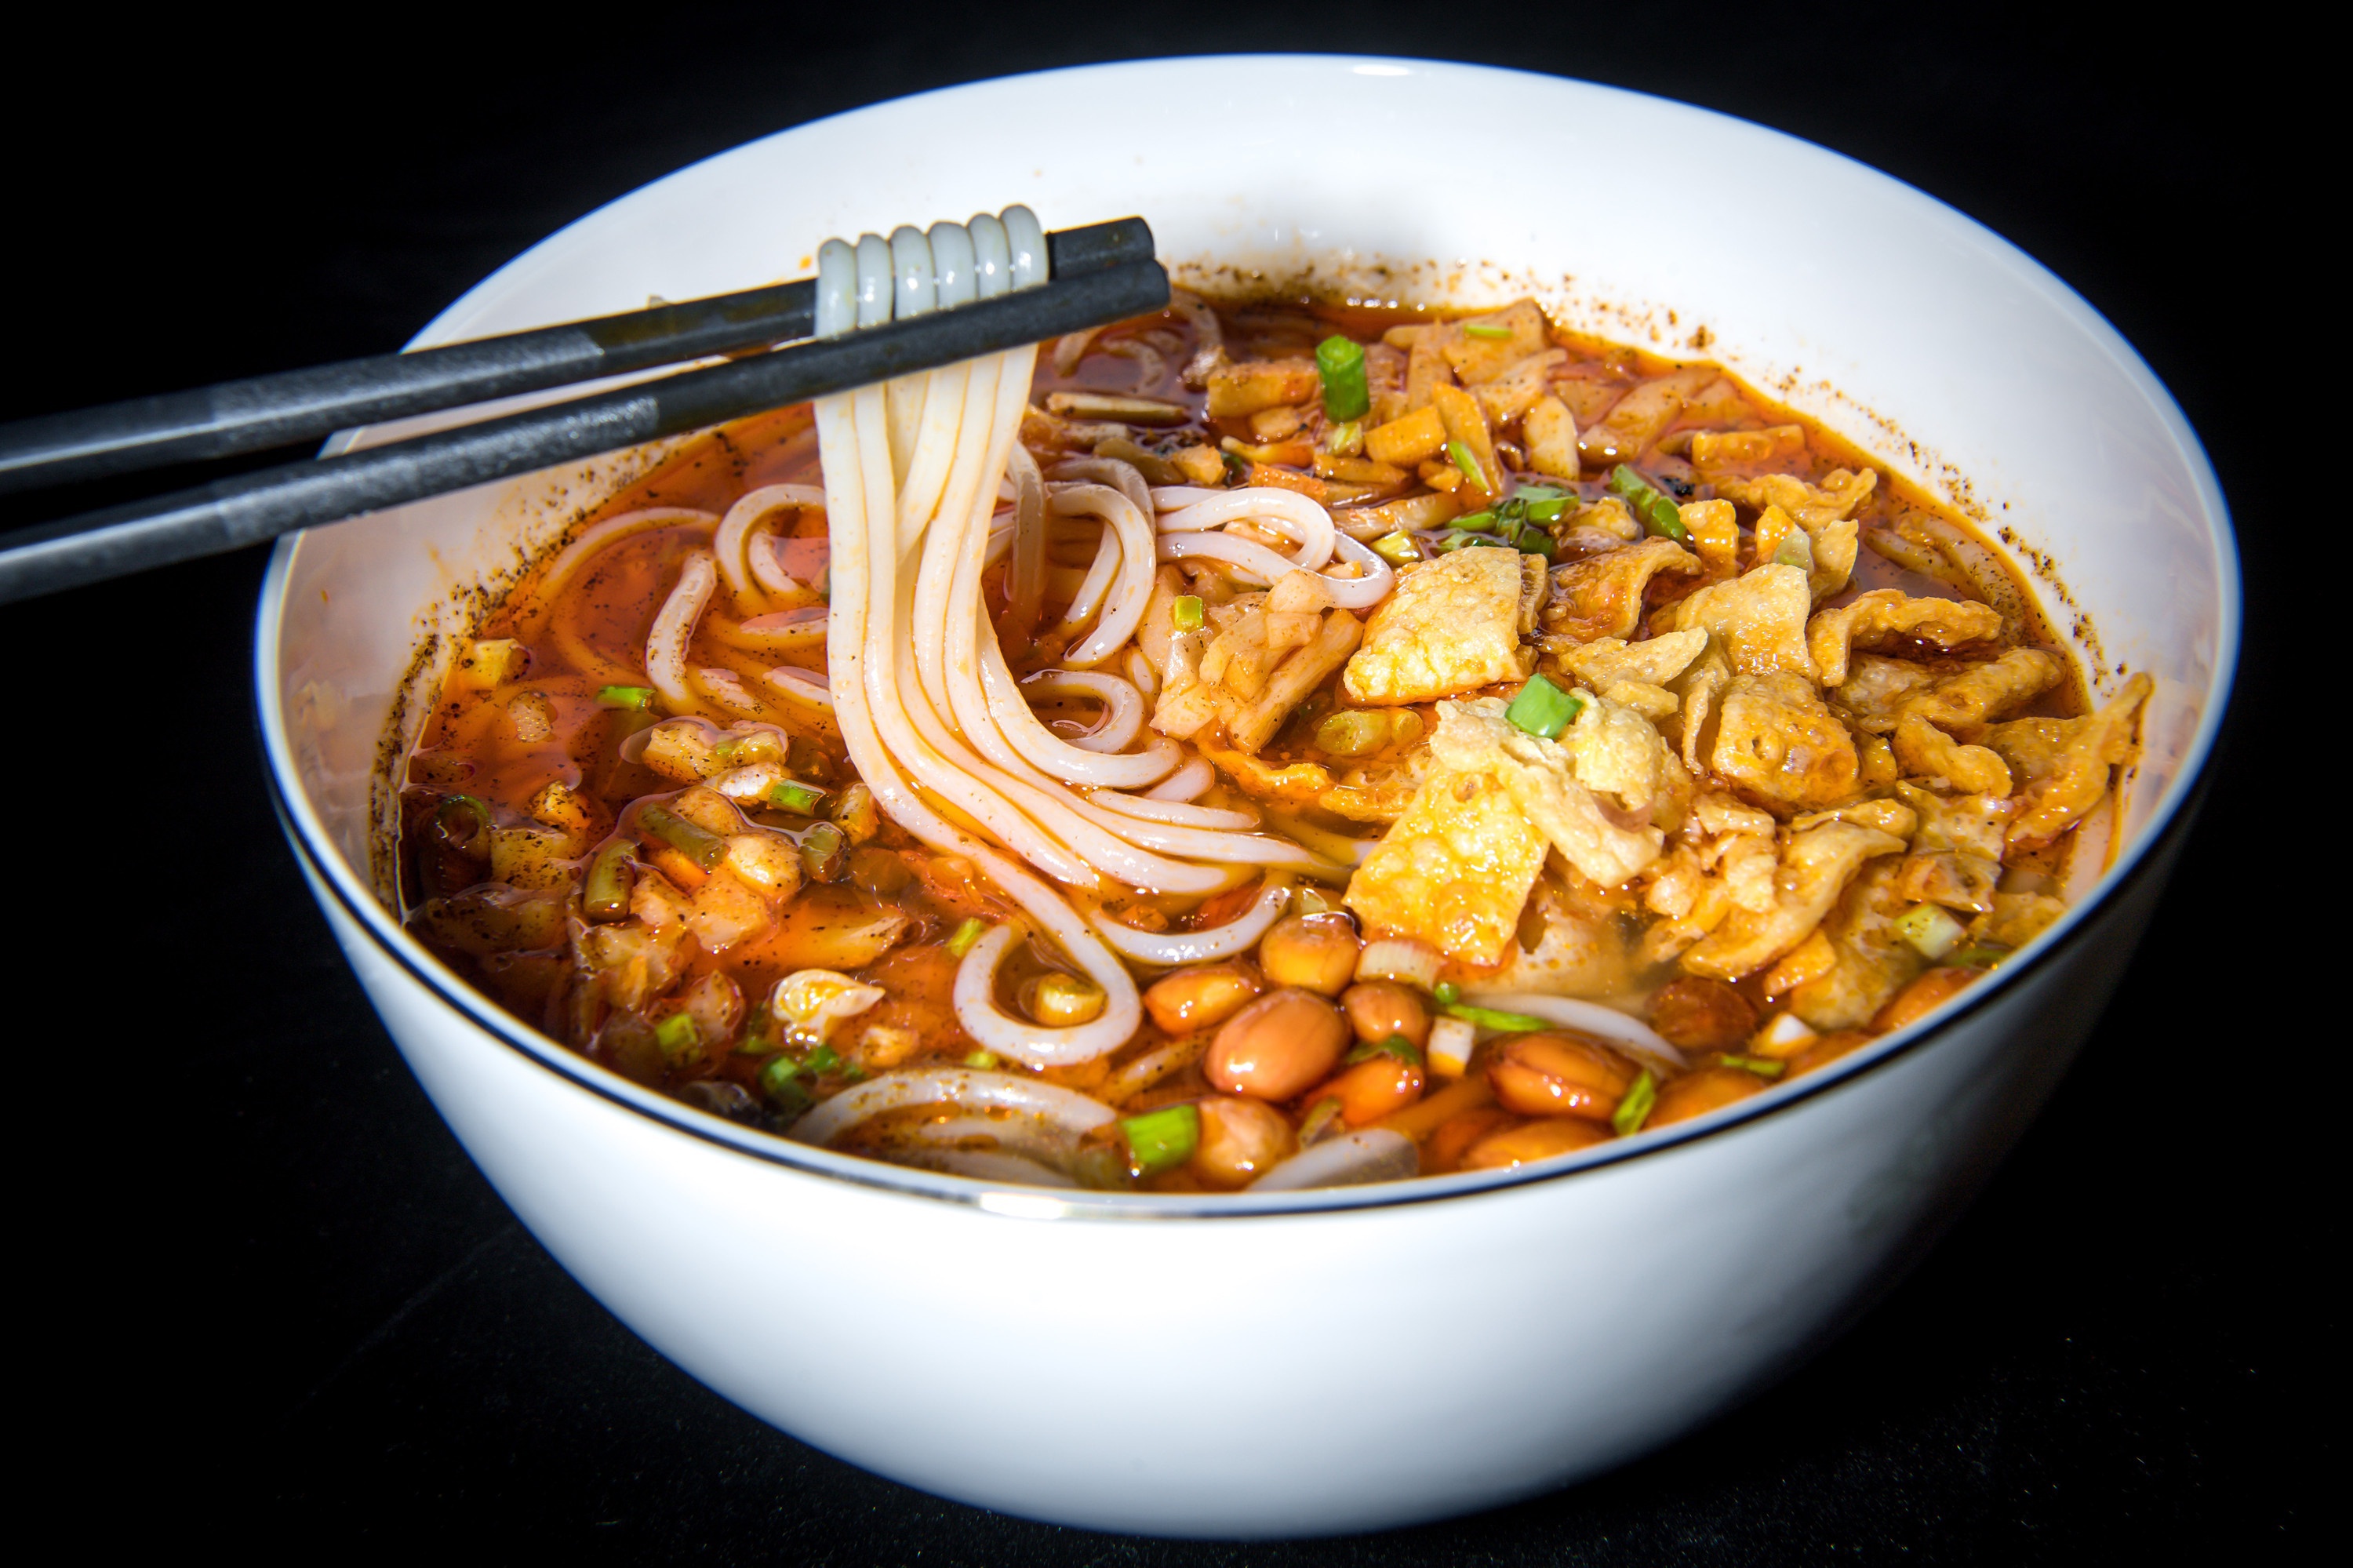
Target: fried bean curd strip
1454 625
1455 870
1601 595
1542 778
1926 752
1714 530
1873 696
1963 704
1870 961
1832 634
1607 661
1780 742
1760 617
1642 416
1816 865
2105 740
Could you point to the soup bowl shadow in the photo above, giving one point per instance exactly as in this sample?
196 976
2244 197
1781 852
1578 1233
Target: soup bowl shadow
1285 1364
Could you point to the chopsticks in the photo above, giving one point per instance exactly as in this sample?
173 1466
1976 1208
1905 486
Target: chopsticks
1096 275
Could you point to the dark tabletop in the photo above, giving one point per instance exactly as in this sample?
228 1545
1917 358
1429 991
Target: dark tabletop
263 1295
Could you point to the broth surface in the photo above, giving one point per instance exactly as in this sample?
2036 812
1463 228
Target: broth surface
1681 564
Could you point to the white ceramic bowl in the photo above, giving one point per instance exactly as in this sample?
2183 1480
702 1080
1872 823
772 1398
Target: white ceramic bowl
1316 1362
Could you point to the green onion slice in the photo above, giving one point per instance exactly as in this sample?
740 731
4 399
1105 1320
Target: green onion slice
1491 1018
1763 1066
1447 993
1398 549
1543 709
1660 516
984 1060
801 799
1456 538
780 1081
1162 1139
1546 511
1534 493
1487 330
704 847
465 822
821 1059
971 931
604 891
639 697
1462 458
1979 956
1396 1046
1536 542
1477 522
1341 366
1634 1109
679 1036
1186 613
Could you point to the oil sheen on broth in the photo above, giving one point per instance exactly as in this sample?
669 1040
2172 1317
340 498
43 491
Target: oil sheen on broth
1632 744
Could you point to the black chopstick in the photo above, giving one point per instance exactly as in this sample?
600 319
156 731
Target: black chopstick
305 404
230 514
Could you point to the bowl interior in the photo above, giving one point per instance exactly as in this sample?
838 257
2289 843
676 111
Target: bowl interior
1929 341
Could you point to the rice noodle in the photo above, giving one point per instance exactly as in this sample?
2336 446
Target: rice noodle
1189 782
731 545
1169 949
1067 1109
800 686
1124 715
601 536
1591 1017
674 628
1349 593
1151 809
1130 535
1287 511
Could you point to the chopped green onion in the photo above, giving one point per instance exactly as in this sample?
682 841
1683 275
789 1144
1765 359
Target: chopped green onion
625 697
780 1081
1979 956
1536 542
472 840
1763 1066
1795 550
1186 613
1546 511
1341 366
1930 930
1634 1107
1345 439
825 852
1234 465
1456 538
984 1060
1487 330
821 1059
1463 459
1534 493
679 1037
851 1073
801 800
1477 522
704 847
1319 1121
1396 1046
1543 709
1398 549
1490 1018
1660 516
605 891
1447 992
1353 732
973 929
1162 1139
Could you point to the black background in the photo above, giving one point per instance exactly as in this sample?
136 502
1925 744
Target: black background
262 1296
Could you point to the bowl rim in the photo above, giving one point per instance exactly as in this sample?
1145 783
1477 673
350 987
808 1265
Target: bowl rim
2176 809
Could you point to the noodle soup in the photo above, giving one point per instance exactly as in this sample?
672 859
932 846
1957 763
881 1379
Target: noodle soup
1258 745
